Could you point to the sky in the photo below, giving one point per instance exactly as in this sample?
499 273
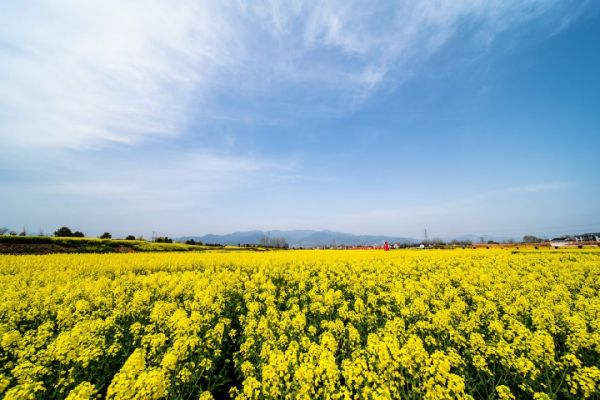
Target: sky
194 117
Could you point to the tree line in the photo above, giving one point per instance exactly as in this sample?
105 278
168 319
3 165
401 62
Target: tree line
267 241
66 232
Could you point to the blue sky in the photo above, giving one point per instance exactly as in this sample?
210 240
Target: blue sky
462 117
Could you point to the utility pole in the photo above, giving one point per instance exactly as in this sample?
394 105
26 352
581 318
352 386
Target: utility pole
425 234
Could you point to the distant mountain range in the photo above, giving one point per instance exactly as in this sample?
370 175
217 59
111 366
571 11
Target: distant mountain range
299 238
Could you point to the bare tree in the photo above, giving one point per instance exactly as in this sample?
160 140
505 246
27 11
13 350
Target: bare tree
276 242
532 239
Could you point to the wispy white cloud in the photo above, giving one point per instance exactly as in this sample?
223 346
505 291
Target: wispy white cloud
443 214
168 180
177 193
540 187
82 74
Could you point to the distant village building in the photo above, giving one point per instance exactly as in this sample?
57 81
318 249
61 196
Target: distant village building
576 240
559 242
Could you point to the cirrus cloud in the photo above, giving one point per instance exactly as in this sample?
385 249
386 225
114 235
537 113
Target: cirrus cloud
79 75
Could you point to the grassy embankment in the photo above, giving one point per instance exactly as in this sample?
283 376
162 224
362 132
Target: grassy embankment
47 244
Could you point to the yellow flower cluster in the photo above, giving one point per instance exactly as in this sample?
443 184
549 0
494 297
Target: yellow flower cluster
442 324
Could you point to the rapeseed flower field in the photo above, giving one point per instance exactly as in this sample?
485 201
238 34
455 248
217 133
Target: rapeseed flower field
439 324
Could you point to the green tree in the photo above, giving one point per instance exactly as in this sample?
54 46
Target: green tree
63 232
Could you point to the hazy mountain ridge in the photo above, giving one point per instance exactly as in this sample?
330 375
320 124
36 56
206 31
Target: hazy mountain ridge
299 238
313 238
